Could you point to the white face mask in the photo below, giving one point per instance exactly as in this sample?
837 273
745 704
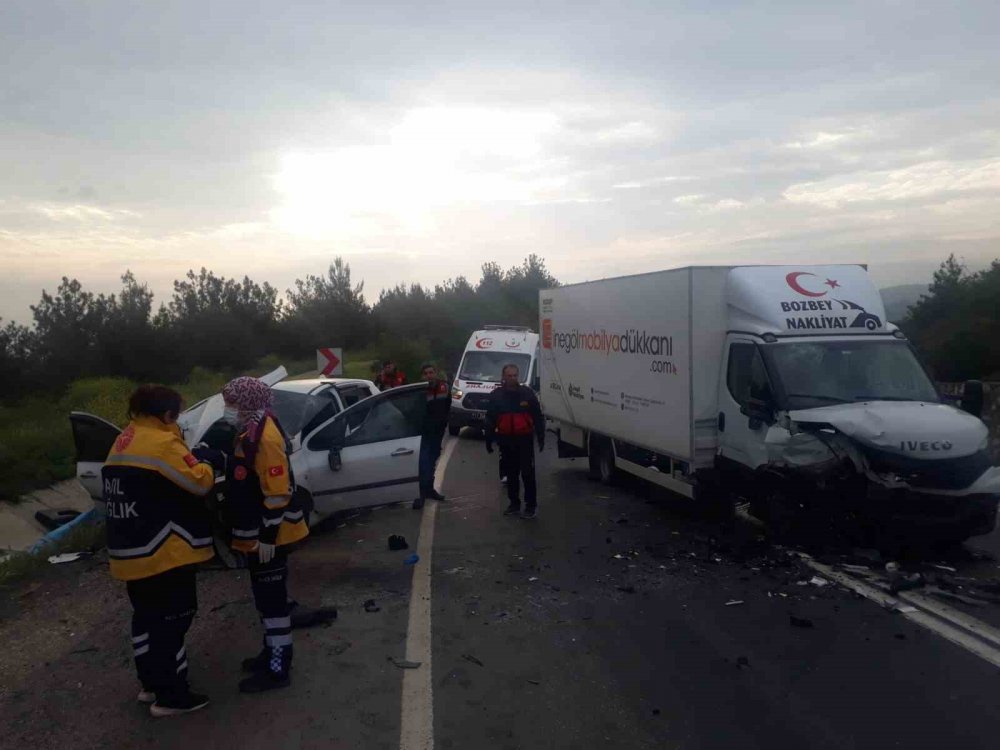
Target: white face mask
231 415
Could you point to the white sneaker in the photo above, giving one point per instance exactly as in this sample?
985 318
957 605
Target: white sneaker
146 696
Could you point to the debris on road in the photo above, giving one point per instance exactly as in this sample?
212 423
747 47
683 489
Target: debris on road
627 589
799 622
404 664
734 602
308 617
89 650
66 557
412 559
371 606
397 542
472 659
532 579
742 662
946 568
819 582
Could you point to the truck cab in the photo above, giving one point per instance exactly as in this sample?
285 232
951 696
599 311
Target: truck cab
486 353
821 400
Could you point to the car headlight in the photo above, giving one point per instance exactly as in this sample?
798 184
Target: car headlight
456 393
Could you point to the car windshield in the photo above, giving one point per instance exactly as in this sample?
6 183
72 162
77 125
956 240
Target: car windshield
487 366
829 372
293 409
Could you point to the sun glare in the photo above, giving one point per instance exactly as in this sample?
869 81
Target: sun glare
434 157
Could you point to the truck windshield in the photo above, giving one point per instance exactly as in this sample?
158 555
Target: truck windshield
487 366
828 372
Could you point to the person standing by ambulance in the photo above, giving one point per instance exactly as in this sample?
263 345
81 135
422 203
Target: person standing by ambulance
159 529
266 521
432 432
390 376
514 420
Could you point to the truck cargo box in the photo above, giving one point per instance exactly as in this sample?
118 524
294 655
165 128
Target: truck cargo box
637 358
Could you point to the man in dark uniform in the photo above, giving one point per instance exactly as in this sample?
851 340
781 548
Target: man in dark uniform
435 423
514 419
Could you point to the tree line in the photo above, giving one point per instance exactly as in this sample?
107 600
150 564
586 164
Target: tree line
956 324
228 324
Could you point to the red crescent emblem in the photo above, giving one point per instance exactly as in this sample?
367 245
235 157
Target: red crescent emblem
793 282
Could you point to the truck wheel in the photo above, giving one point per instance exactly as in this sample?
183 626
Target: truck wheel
606 464
454 429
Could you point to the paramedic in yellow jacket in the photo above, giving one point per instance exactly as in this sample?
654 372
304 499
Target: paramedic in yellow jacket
266 521
158 529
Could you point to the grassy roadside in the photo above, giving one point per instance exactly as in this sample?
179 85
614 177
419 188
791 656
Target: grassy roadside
36 443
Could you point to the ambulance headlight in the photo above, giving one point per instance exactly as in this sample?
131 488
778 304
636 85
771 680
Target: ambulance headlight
456 393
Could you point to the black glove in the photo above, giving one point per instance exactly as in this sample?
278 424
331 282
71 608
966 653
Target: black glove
211 456
489 447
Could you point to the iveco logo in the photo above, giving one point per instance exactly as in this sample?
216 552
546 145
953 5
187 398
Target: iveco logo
925 445
575 392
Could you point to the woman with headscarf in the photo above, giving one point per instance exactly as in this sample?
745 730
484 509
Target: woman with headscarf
266 521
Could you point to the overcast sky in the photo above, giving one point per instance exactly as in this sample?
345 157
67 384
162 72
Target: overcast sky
419 140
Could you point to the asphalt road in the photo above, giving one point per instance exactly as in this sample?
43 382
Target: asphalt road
602 623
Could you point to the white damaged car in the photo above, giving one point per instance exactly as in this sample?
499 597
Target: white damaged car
352 446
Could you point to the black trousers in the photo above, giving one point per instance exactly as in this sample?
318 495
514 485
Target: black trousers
430 452
517 460
269 583
163 608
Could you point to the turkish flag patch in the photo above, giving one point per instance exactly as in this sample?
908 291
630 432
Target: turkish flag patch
276 471
190 460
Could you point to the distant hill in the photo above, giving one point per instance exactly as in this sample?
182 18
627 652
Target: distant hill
897 299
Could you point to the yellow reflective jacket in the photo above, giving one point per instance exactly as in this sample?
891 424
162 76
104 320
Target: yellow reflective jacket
260 491
154 490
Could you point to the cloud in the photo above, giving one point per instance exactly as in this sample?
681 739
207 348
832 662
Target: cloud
80 212
920 181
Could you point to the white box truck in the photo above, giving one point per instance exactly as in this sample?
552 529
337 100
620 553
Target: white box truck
782 385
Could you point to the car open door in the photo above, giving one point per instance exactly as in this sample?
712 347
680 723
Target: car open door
367 454
93 437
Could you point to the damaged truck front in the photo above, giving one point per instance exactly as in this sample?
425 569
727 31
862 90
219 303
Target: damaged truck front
783 385
852 427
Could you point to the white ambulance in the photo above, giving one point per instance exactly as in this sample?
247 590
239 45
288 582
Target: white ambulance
485 356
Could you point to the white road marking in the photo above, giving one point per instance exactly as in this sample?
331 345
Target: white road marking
957 627
417 709
971 634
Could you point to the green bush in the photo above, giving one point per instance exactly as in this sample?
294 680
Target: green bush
36 441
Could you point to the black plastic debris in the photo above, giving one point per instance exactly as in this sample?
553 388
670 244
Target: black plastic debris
743 662
397 542
404 664
900 636
627 589
473 660
656 712
309 617
799 622
371 606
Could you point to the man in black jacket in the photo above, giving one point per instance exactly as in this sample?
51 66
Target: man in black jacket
435 423
514 419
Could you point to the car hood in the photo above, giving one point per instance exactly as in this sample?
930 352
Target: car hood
194 422
914 429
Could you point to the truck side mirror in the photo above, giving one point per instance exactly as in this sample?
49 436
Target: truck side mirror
760 413
972 398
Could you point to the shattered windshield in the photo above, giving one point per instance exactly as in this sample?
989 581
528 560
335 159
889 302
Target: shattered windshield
828 372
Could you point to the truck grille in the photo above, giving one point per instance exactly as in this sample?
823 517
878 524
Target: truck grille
476 401
943 474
